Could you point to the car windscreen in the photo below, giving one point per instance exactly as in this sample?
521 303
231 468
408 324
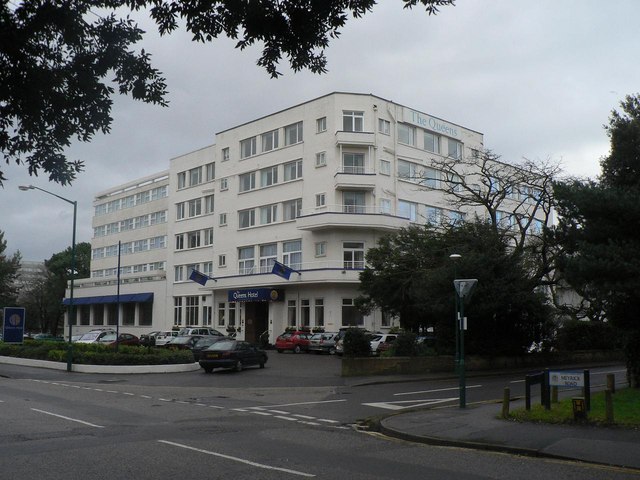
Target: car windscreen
223 345
89 337
179 340
111 337
205 342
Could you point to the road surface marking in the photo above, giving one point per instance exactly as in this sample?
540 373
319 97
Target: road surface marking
436 390
237 459
286 418
411 403
306 403
306 417
261 413
67 418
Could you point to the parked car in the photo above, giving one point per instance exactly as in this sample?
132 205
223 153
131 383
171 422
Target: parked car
123 339
297 341
182 342
48 336
323 342
381 342
204 343
163 337
94 336
148 339
200 331
340 338
234 354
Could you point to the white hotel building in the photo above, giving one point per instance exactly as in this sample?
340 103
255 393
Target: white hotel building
313 187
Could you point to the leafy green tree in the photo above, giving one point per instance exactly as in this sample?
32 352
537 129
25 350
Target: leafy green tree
410 275
599 231
59 267
60 62
9 267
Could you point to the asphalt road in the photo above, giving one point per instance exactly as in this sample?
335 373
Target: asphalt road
295 418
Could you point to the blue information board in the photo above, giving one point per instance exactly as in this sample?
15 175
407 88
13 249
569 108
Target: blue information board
13 328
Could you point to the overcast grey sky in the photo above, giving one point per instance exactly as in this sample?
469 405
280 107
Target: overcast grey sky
537 78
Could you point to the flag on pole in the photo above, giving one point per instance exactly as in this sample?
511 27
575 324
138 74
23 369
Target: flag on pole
198 277
281 270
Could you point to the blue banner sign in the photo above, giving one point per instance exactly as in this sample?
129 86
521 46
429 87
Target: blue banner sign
13 329
256 295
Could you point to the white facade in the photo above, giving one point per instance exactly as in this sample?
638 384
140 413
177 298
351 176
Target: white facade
313 186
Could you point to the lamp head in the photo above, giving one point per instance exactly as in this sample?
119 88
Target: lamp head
455 256
24 188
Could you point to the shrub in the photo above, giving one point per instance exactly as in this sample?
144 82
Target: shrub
405 345
356 343
581 335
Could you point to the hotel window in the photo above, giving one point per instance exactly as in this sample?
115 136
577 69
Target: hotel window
221 313
182 180
268 257
319 312
207 311
195 207
268 176
232 314
180 242
224 184
247 181
177 310
434 215
292 209
320 199
195 176
406 134
246 218
210 171
321 125
293 133
222 261
353 255
353 163
454 148
208 204
321 159
384 126
269 140
178 273
248 147
245 260
291 313
192 309
208 236
351 316
305 312
292 254
353 201
431 142
179 211
352 121
268 214
293 170
222 219
321 249
385 206
408 210
385 167
225 154
193 239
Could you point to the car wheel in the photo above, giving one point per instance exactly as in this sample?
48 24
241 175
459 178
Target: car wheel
279 350
238 366
262 363
296 349
332 351
208 369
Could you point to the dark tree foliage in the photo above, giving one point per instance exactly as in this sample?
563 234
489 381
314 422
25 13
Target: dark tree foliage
60 60
599 231
411 275
8 274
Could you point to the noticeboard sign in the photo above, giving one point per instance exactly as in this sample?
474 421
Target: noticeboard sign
13 328
566 379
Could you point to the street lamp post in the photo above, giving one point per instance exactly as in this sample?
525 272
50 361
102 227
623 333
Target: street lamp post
456 361
72 311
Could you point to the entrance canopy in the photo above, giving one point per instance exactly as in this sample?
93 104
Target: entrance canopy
123 298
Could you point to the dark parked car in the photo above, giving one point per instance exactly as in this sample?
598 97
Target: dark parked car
182 342
123 339
204 343
48 336
234 354
148 339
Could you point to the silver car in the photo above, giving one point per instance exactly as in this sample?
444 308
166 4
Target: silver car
324 342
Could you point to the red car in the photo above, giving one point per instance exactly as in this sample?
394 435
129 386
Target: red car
296 341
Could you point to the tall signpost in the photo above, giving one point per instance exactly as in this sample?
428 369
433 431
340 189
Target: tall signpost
464 289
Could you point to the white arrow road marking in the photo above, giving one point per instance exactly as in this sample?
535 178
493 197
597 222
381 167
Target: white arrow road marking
67 418
236 459
409 403
436 390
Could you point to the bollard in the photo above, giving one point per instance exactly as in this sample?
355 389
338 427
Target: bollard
611 382
554 394
608 403
506 398
579 408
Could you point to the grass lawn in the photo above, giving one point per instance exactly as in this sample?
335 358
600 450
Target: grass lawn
626 410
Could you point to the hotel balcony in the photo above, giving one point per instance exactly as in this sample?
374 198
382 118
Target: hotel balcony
349 216
355 178
361 139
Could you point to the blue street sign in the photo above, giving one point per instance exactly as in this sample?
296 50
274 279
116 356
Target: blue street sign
13 329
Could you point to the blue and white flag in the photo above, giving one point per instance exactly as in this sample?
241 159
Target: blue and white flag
281 270
198 277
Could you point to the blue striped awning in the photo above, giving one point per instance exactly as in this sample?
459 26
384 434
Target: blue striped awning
124 298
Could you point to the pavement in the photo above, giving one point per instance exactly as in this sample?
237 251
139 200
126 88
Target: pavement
479 426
